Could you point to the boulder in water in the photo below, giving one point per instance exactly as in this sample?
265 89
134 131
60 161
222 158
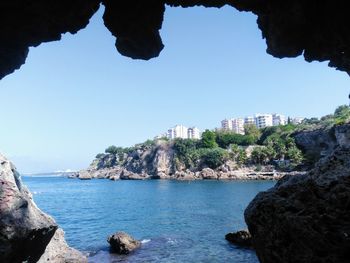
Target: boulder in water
122 243
241 238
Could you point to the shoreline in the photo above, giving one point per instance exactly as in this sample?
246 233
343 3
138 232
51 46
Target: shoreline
205 174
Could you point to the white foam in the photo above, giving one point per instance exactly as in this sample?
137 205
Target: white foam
145 241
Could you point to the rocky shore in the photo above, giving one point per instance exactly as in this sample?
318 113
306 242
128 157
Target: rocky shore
160 162
26 233
119 173
306 218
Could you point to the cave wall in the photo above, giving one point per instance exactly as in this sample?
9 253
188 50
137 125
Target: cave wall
318 30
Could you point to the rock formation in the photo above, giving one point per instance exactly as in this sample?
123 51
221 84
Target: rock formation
58 251
306 218
315 29
316 143
241 238
122 243
25 231
159 161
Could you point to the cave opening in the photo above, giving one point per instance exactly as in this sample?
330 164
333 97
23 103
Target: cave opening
80 95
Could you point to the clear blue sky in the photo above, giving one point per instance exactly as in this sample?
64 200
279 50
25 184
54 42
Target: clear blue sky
75 97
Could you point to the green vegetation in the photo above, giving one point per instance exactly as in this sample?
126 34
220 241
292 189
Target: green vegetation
225 138
269 146
208 139
340 116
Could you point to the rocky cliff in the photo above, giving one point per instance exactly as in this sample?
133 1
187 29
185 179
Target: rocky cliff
316 143
306 218
26 233
160 161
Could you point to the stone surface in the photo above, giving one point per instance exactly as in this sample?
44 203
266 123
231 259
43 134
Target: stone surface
306 218
122 243
241 238
127 175
25 231
318 30
208 173
58 251
316 144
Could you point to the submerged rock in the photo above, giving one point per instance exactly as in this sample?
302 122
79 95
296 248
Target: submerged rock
241 238
306 218
122 243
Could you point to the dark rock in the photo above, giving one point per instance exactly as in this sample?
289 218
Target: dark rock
122 243
25 231
241 238
28 24
318 30
316 144
306 218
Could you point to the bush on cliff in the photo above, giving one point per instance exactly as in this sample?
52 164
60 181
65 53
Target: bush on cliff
213 158
225 138
208 140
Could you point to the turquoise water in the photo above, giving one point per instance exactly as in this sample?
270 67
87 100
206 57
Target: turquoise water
177 221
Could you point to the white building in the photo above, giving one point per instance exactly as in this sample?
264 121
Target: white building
238 126
193 133
249 120
263 120
226 124
180 131
297 120
279 119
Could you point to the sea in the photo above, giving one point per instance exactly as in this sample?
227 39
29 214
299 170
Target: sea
177 221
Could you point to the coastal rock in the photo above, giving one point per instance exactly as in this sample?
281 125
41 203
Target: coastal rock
85 175
241 238
208 174
306 218
58 251
316 144
184 175
122 243
163 159
25 231
127 175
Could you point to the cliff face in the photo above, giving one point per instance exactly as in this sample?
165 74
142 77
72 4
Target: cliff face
161 161
306 218
317 143
25 231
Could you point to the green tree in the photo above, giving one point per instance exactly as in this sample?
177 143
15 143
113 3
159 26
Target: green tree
342 114
225 138
214 157
263 155
238 154
114 149
342 110
253 131
100 155
295 156
208 139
